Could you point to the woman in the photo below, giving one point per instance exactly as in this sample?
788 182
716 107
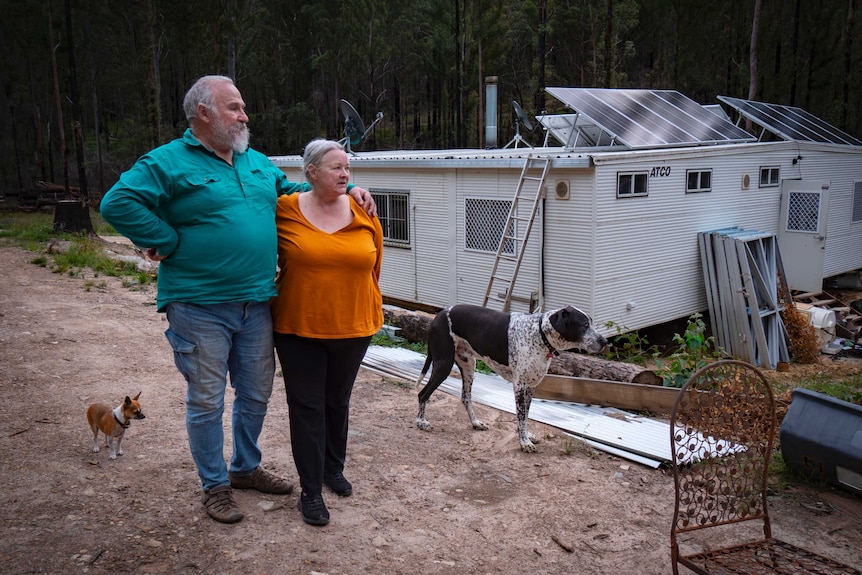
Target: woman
328 307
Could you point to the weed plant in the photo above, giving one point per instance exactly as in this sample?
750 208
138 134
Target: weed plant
694 350
384 340
629 346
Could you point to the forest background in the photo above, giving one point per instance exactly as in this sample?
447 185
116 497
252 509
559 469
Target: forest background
87 86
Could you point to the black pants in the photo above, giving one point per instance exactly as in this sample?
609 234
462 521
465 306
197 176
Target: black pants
318 379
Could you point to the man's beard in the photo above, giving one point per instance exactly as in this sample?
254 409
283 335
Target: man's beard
235 137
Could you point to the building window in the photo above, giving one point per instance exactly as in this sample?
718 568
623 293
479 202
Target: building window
769 176
857 202
484 224
393 213
631 184
698 181
803 211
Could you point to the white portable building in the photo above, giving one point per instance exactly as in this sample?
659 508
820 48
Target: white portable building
608 217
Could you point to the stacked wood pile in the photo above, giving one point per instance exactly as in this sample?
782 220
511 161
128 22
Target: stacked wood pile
42 194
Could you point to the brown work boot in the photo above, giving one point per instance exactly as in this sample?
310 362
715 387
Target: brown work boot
220 505
263 481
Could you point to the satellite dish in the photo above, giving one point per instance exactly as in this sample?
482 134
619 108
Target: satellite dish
522 116
354 127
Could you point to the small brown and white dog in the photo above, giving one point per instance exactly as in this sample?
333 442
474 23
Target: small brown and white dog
113 422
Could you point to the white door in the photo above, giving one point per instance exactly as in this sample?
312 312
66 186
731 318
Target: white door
802 233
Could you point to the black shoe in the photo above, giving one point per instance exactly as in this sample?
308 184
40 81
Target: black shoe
338 484
313 509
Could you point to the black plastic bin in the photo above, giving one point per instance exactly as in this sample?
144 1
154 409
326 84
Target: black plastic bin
821 437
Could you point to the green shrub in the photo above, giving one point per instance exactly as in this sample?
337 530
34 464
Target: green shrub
628 346
694 351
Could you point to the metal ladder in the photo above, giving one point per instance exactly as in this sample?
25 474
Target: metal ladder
516 232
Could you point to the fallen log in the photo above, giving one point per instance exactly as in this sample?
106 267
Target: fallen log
414 324
592 367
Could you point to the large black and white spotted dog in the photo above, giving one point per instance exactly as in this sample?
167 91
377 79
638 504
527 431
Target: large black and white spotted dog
517 346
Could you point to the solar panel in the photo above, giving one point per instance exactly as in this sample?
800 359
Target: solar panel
650 118
574 130
789 122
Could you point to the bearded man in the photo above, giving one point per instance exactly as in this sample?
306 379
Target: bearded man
203 206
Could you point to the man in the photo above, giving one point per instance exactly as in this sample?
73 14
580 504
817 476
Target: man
204 206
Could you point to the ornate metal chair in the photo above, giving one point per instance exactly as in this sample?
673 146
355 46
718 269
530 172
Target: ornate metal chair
723 427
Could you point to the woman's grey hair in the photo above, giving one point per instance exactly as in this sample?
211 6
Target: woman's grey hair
201 92
314 152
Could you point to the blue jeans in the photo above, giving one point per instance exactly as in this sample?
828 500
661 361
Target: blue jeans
210 342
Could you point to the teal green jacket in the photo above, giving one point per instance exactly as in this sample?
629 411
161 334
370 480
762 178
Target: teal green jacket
214 222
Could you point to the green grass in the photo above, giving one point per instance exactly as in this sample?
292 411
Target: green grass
781 477
33 230
89 253
28 230
847 388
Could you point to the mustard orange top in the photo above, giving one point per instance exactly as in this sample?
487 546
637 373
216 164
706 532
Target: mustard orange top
327 286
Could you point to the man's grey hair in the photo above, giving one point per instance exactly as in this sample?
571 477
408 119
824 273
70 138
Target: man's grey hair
314 152
201 92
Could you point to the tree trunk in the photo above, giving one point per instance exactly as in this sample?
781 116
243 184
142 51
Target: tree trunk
75 217
153 79
539 99
58 103
460 129
42 151
7 92
752 58
580 365
609 43
795 53
72 216
97 130
848 65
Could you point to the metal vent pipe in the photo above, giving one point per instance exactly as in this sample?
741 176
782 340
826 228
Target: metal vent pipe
490 112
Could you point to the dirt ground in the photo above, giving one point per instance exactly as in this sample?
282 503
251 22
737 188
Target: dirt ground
453 501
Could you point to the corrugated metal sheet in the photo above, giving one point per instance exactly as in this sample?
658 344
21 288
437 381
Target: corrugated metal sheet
742 271
634 437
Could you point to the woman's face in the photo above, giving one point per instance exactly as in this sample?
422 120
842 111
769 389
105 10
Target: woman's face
332 172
